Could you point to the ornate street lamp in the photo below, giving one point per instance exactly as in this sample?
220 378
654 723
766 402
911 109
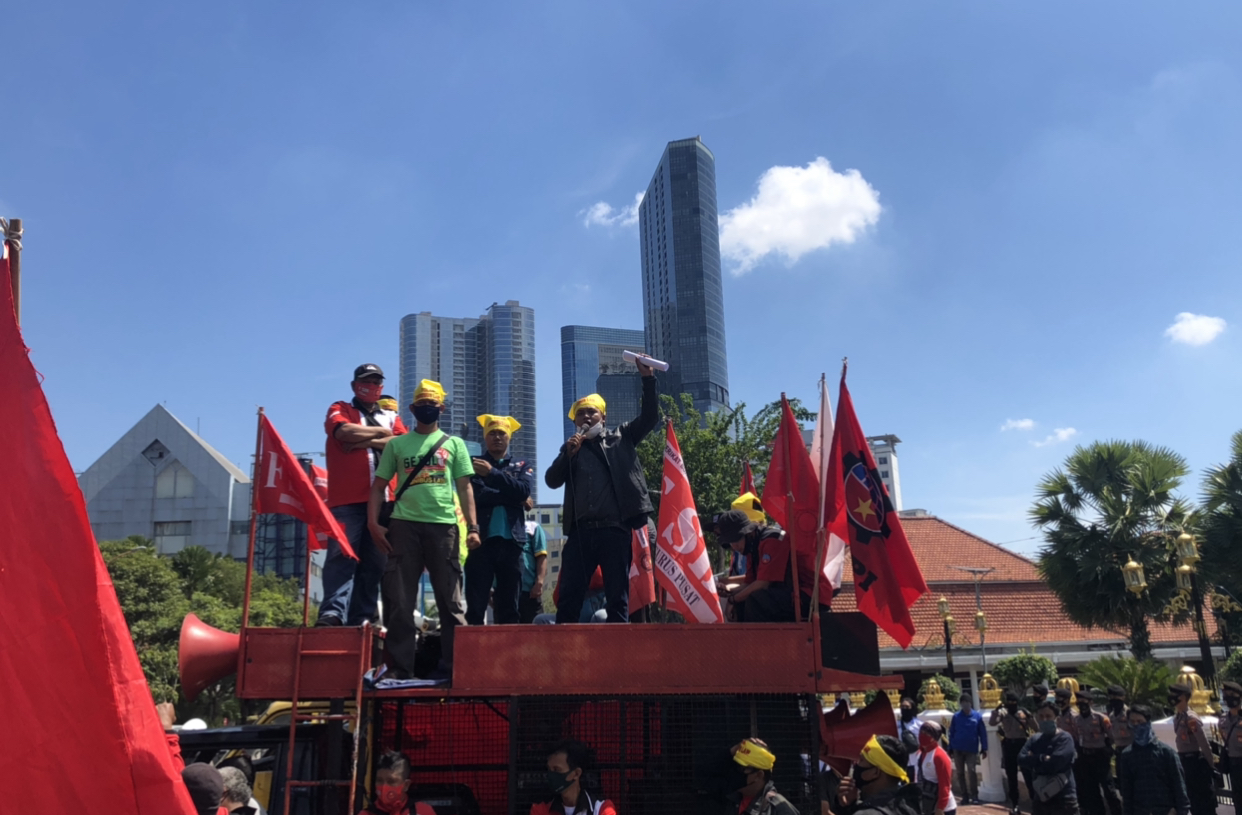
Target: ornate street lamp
1188 551
950 628
1136 582
981 625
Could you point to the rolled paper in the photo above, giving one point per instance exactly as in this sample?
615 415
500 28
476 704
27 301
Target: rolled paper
650 362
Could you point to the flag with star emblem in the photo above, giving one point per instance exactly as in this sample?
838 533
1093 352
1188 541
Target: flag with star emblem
887 579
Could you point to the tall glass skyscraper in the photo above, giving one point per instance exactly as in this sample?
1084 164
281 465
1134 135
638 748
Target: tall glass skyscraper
683 296
591 363
486 364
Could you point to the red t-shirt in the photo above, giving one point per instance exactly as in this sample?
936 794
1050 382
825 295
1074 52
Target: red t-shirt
772 559
350 472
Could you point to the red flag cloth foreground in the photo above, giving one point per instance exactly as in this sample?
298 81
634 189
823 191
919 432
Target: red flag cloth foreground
73 690
887 579
320 478
642 581
791 470
748 481
282 487
682 565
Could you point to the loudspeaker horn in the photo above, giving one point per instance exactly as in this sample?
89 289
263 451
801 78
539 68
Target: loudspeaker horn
204 655
843 739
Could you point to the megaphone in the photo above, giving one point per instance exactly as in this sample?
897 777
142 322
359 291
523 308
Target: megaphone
843 739
204 655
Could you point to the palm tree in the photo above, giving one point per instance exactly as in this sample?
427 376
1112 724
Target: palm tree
1145 681
1221 524
1112 502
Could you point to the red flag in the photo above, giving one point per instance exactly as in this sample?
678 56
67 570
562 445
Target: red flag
75 695
642 581
791 470
748 481
887 579
682 565
320 476
283 487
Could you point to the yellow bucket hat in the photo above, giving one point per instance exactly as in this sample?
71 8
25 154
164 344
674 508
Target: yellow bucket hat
594 400
749 504
506 423
753 754
428 389
387 402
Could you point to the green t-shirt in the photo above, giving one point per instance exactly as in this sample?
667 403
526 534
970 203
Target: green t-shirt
430 498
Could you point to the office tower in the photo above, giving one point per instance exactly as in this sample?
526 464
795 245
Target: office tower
683 299
884 448
486 364
591 363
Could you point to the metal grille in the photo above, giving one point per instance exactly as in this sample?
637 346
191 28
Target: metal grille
653 754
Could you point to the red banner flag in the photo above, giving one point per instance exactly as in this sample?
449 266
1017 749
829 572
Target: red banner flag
75 695
282 487
748 481
791 472
887 579
642 579
320 477
682 565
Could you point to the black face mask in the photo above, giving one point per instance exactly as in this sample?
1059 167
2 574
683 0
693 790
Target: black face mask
427 414
907 713
1174 700
1116 705
558 782
857 773
1084 710
1233 701
1012 707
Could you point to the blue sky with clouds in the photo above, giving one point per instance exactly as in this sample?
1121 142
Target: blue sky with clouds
233 204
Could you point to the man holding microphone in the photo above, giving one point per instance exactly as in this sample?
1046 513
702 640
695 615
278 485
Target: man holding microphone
605 499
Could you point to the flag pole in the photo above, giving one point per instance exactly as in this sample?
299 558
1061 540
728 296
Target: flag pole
254 518
307 575
12 235
821 536
789 505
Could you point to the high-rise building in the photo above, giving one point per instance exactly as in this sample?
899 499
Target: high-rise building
486 364
591 363
683 296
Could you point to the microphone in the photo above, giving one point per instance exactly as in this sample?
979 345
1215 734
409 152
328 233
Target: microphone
650 362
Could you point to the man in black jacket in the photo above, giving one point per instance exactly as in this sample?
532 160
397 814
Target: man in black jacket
605 499
501 486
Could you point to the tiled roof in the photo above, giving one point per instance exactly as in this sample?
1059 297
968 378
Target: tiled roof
1019 607
938 546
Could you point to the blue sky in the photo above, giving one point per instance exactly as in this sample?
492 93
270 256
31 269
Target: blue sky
233 204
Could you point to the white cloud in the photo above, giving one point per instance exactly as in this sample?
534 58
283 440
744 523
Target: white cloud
798 210
1195 329
601 213
1058 435
1018 424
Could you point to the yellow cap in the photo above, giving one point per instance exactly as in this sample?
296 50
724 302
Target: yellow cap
506 423
427 389
874 753
749 504
753 754
594 400
387 402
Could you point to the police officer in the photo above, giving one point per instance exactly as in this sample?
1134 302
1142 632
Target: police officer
1231 731
1015 726
1095 753
1122 733
1194 751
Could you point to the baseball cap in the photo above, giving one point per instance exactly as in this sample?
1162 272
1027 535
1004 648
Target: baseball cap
369 369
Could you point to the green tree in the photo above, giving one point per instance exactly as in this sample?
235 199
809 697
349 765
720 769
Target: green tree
1145 681
156 592
1017 673
1113 501
1221 522
1232 672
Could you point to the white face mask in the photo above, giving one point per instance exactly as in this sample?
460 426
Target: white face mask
592 431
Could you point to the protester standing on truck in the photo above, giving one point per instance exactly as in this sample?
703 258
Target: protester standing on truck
606 499
358 430
431 466
501 486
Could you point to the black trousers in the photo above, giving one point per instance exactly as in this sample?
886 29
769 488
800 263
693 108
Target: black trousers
773 604
1009 761
1096 790
498 560
528 607
1235 782
606 547
1199 784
